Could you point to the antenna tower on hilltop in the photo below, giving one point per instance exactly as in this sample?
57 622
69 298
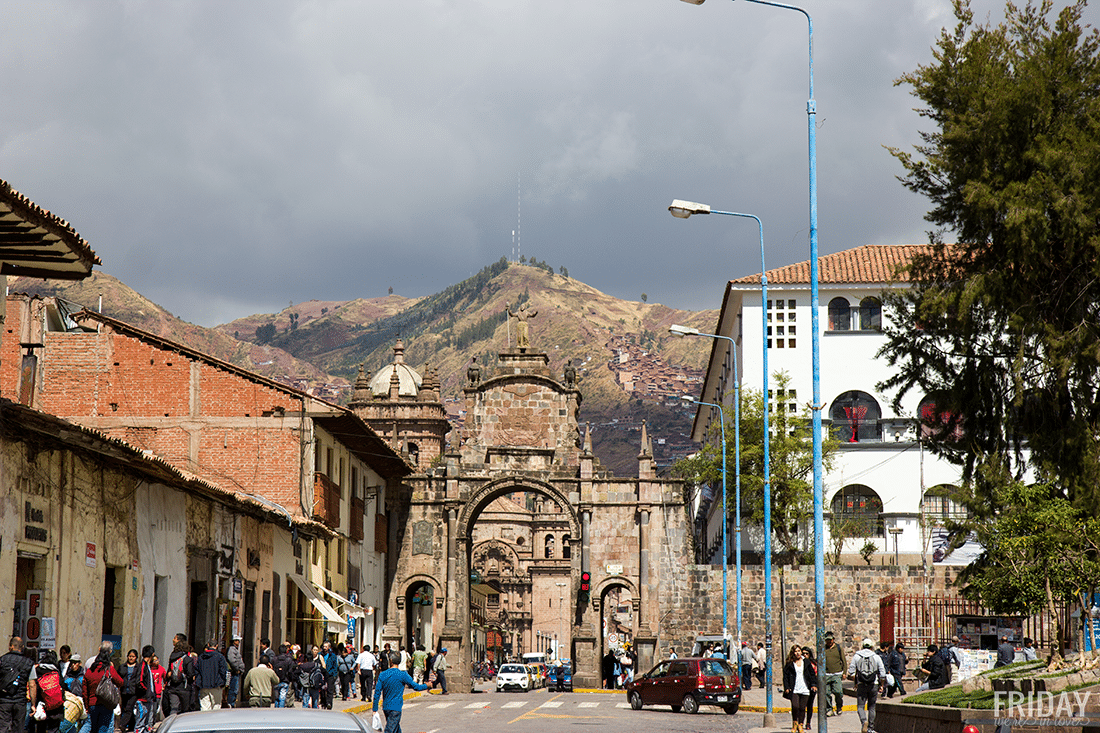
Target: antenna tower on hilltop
517 244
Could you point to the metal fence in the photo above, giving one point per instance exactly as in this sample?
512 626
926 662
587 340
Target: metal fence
920 620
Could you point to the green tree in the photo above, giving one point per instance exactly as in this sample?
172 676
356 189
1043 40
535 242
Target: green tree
645 298
1040 550
1002 327
265 333
790 458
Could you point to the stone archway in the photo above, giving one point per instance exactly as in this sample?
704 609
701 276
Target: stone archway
521 434
609 623
507 485
533 626
421 599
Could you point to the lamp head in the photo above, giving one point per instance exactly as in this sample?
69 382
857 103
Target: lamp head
684 209
681 331
687 399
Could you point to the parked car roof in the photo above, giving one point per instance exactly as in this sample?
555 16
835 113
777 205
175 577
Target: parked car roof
305 720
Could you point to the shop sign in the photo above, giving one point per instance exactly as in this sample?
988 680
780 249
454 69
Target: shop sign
34 618
34 520
89 554
614 569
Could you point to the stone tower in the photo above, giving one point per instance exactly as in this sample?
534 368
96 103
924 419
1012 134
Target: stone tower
404 407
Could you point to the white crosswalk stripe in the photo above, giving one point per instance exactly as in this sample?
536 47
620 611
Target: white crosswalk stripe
551 704
588 705
513 704
477 705
623 705
437 705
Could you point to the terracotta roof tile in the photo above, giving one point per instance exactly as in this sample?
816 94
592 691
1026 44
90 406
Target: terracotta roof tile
37 243
872 263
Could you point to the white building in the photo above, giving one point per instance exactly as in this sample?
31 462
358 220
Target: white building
882 474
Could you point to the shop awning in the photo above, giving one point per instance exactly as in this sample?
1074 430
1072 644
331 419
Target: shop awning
350 608
336 622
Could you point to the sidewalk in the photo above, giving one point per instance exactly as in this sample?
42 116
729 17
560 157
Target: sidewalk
754 703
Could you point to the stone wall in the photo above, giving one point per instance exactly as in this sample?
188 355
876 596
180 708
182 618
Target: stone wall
692 604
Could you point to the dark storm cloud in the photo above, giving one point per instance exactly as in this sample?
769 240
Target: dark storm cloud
227 158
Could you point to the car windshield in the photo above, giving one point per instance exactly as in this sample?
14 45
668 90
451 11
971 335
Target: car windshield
715 668
512 669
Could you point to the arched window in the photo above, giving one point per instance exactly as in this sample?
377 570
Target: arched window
840 315
870 314
858 510
566 550
938 507
549 545
855 417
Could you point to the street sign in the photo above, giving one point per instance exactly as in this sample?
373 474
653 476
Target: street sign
614 569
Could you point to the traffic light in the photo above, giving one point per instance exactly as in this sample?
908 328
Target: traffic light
586 587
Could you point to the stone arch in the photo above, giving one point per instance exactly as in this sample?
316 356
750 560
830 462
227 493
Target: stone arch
600 590
613 580
481 498
421 623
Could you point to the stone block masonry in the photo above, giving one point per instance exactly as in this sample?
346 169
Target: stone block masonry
691 601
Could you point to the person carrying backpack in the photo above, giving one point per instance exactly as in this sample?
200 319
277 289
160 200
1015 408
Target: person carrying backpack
47 691
101 690
286 669
869 673
74 676
346 667
15 672
311 680
146 708
178 680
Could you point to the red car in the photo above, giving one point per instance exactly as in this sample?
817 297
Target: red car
685 684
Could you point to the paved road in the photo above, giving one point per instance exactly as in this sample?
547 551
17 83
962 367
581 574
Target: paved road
539 711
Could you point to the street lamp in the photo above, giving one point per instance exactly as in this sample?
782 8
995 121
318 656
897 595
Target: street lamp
682 210
684 331
819 522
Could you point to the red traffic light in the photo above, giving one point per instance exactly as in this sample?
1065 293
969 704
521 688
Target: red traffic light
586 581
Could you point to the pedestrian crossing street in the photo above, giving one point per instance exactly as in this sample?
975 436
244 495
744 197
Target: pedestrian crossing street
517 705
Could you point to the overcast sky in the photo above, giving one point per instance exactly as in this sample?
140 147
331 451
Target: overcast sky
227 158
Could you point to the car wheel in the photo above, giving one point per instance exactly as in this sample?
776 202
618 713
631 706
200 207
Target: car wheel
635 701
732 709
691 705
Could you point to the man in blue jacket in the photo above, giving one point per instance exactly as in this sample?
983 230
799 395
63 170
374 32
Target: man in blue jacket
331 661
212 671
391 686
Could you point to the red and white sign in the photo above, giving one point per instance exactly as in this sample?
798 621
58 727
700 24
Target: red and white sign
89 554
34 617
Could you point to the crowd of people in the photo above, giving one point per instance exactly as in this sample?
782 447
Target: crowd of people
43 691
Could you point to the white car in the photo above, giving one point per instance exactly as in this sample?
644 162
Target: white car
513 677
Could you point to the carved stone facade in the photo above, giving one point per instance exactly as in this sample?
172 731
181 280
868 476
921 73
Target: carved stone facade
404 408
521 440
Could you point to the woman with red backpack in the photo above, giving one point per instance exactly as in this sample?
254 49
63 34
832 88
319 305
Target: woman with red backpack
47 694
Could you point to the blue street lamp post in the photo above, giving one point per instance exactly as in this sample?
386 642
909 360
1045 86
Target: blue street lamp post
683 210
819 523
737 499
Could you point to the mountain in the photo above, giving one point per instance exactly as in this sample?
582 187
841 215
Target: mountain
629 368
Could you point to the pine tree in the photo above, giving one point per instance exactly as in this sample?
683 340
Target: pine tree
1004 327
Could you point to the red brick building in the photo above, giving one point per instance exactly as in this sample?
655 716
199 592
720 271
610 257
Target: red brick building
233 428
